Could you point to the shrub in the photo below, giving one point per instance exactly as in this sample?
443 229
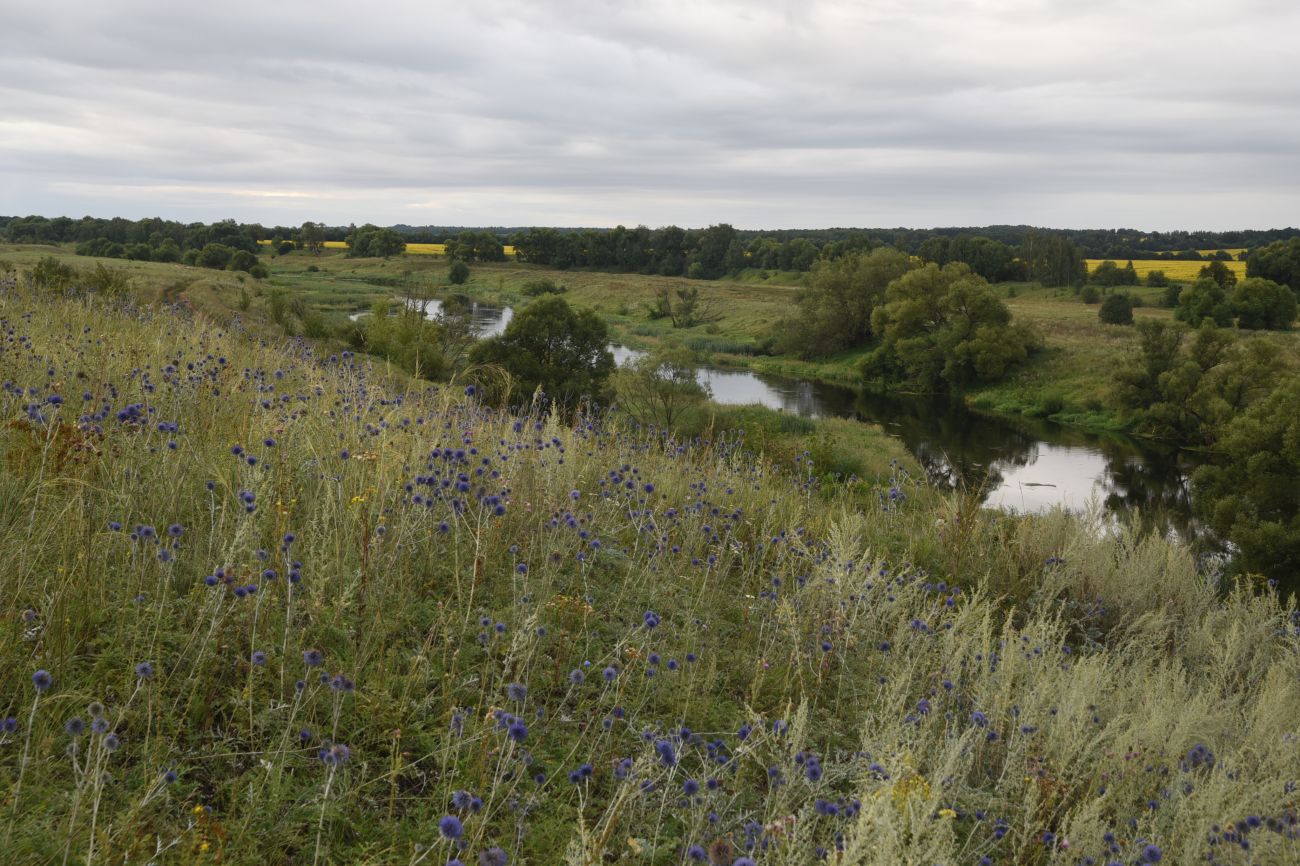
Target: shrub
458 273
1262 304
1117 309
1090 294
1204 299
1157 279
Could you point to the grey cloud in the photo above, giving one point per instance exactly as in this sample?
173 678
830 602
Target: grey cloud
764 114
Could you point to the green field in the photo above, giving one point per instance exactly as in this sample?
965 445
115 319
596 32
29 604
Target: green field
265 604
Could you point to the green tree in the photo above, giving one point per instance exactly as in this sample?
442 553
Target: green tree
458 273
1223 275
1116 309
1052 260
1279 262
551 347
835 309
661 387
1204 299
371 241
943 329
1157 279
1252 497
312 237
1261 304
241 260
1190 396
215 256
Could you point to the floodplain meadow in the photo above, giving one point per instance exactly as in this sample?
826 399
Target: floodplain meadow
264 602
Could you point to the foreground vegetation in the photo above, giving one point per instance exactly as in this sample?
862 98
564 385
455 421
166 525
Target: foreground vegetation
265 604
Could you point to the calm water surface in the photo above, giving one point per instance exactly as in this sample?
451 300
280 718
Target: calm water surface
1019 465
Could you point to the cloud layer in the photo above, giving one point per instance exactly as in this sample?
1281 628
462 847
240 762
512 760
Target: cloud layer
763 114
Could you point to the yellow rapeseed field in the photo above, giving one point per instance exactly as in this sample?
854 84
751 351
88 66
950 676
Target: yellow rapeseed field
411 249
1180 271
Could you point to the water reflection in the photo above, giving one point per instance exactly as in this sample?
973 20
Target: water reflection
1019 465
485 320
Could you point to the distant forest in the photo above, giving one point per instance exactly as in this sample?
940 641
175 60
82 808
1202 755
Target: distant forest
1053 256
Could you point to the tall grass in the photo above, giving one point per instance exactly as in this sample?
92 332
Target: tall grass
304 610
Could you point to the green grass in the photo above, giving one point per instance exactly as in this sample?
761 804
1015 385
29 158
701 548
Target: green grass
862 622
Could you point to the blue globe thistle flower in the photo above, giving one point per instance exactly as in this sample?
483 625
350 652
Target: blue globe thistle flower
144 670
577 677
517 692
9 725
334 755
258 658
651 619
690 787
169 777
99 725
461 800
517 731
1152 854
743 861
667 754
313 658
112 743
697 853
74 726
493 857
42 680
450 827
609 673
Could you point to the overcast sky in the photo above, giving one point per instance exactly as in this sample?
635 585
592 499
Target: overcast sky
1066 113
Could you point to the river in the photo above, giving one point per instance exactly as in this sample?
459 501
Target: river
1013 463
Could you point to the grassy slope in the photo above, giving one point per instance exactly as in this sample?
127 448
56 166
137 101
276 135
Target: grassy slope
849 624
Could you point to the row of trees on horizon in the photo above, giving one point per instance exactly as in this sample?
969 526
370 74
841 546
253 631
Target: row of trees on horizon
1053 257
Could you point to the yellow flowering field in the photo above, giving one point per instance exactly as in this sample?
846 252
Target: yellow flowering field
1174 270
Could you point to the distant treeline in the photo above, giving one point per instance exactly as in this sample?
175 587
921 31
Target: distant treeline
1052 256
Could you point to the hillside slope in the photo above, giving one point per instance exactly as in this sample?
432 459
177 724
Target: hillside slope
266 606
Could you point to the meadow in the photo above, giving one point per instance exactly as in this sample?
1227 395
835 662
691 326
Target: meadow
271 603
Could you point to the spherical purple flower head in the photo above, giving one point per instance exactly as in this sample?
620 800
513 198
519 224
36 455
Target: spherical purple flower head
461 800
743 861
258 658
690 787
609 673
176 530
42 680
493 857
74 726
697 853
577 677
334 755
99 725
313 658
651 619
1152 854
517 731
9 725
450 827
112 743
667 754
